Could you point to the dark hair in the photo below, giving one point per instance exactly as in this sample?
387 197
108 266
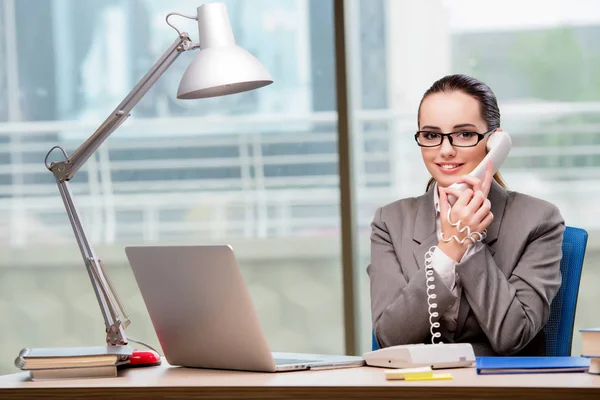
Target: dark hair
488 105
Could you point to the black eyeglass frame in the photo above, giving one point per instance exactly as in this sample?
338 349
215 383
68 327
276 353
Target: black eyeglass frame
480 137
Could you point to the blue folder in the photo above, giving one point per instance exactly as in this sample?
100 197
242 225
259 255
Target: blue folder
530 365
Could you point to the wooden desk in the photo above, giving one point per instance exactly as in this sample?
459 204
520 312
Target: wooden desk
352 383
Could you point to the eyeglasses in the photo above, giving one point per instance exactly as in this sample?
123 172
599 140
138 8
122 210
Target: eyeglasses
457 139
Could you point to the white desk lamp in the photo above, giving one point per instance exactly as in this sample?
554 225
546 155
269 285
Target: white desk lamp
220 68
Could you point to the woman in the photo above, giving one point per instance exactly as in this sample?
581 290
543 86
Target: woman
494 289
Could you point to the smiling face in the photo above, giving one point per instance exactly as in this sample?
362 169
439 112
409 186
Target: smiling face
447 112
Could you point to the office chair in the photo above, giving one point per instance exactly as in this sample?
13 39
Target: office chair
559 328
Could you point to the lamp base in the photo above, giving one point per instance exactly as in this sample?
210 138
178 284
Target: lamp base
143 358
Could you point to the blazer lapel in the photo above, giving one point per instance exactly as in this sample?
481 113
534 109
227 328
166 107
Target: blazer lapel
424 232
498 198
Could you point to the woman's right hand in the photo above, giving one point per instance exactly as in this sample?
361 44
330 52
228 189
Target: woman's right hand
472 208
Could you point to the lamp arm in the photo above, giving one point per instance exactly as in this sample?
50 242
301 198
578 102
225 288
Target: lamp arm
67 169
108 299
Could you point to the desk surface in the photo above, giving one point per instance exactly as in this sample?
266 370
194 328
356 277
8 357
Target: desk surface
364 382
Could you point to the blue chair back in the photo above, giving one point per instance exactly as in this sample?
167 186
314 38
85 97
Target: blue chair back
559 328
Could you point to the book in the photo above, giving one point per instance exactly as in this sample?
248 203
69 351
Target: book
106 371
590 342
71 357
530 365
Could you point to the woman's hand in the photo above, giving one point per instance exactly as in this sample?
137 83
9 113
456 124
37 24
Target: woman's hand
472 208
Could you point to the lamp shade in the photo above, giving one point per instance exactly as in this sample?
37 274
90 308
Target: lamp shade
221 67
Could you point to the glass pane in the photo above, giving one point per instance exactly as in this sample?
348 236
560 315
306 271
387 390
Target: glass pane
3 72
233 169
545 71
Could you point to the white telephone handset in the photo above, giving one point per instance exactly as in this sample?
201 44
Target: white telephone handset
498 145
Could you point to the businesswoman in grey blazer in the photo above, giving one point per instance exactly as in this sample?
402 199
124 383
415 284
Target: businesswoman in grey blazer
493 290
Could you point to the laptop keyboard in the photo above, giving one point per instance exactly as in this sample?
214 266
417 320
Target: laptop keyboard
285 361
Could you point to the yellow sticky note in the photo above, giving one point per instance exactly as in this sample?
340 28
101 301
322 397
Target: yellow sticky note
415 374
404 373
433 377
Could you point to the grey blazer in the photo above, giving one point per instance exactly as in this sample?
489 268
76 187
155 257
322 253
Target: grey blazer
507 286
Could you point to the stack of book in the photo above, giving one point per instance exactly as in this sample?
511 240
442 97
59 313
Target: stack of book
590 347
72 362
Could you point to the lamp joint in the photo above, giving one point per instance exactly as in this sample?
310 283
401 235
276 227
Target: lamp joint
185 46
62 170
114 336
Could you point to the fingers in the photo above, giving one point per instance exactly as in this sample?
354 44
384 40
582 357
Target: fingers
472 209
480 184
482 211
487 179
443 201
486 222
475 204
456 212
472 181
463 197
467 205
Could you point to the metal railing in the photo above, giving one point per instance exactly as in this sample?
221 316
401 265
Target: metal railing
262 175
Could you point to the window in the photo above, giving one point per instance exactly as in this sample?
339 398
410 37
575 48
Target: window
545 71
225 170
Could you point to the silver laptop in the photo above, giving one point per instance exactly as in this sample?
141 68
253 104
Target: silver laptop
203 315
